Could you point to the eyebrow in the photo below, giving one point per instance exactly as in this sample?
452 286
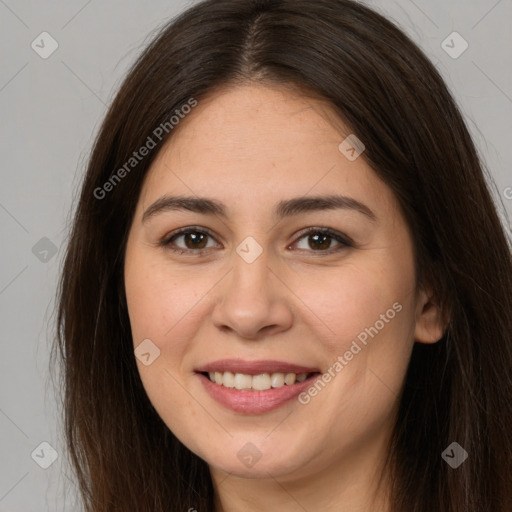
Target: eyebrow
285 208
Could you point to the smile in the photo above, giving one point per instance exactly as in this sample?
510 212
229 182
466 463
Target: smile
254 387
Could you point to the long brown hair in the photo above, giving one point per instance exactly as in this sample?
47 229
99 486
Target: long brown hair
392 97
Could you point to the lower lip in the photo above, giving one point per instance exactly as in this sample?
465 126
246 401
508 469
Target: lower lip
254 402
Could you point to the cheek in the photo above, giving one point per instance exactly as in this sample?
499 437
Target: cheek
346 300
161 302
366 310
163 307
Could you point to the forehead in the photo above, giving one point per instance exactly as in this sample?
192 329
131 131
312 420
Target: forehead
260 143
255 120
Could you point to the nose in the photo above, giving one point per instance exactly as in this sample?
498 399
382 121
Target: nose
252 301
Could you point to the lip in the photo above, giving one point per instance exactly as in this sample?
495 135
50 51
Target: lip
254 402
254 367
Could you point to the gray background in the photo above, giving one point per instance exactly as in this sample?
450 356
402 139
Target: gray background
51 109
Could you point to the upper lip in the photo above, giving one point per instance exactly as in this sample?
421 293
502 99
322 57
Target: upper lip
254 367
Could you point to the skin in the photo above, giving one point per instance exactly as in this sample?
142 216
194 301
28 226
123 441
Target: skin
251 146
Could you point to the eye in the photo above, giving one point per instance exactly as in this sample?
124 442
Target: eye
194 240
320 240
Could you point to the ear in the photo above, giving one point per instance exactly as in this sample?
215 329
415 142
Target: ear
430 325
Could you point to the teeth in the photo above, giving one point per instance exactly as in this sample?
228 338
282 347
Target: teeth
277 380
228 380
242 381
289 379
261 382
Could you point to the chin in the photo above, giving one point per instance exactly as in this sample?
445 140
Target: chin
247 456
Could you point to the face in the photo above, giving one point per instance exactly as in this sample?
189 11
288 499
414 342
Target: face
293 288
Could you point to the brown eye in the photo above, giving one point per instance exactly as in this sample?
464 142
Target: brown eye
189 240
195 240
321 240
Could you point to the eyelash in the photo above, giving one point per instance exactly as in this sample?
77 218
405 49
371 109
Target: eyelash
166 242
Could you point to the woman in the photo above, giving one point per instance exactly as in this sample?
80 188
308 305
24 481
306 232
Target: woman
287 286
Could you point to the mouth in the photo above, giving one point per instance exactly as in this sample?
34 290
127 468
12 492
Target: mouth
255 387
